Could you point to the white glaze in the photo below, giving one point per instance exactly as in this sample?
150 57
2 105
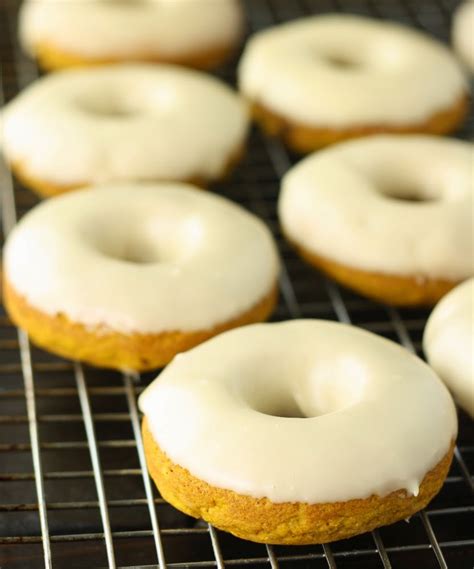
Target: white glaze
379 418
202 260
463 33
101 29
124 122
335 204
395 78
448 342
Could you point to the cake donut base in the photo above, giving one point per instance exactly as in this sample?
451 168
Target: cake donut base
391 289
304 138
263 521
52 58
49 189
103 347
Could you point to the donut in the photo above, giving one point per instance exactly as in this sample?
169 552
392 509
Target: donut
123 123
389 216
463 33
448 342
324 79
60 33
258 430
127 276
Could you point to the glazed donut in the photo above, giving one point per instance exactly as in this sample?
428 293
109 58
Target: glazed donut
123 123
448 343
258 430
463 33
61 33
388 216
328 78
127 276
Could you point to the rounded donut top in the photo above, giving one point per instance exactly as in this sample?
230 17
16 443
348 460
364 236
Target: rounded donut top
141 258
343 71
399 205
288 411
463 31
138 29
124 123
448 342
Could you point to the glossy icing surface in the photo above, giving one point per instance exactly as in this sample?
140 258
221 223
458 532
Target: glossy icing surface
302 411
124 122
142 258
340 71
449 343
98 28
353 203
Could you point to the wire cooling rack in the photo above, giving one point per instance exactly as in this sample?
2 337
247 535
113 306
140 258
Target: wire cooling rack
74 492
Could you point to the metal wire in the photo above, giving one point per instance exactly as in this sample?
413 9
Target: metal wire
268 162
128 380
95 459
34 438
217 548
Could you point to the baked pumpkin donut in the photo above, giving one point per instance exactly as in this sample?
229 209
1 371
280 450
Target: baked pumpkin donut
128 276
324 79
448 342
123 123
290 433
60 33
388 216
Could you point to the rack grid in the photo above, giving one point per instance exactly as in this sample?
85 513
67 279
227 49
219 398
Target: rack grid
74 491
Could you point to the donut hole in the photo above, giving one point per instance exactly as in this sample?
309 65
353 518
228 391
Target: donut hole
413 198
412 194
137 251
268 394
115 101
328 388
109 107
342 62
286 408
140 253
146 242
337 58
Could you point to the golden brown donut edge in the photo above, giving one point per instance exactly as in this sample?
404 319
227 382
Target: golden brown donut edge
103 347
396 290
52 57
49 189
262 521
304 138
